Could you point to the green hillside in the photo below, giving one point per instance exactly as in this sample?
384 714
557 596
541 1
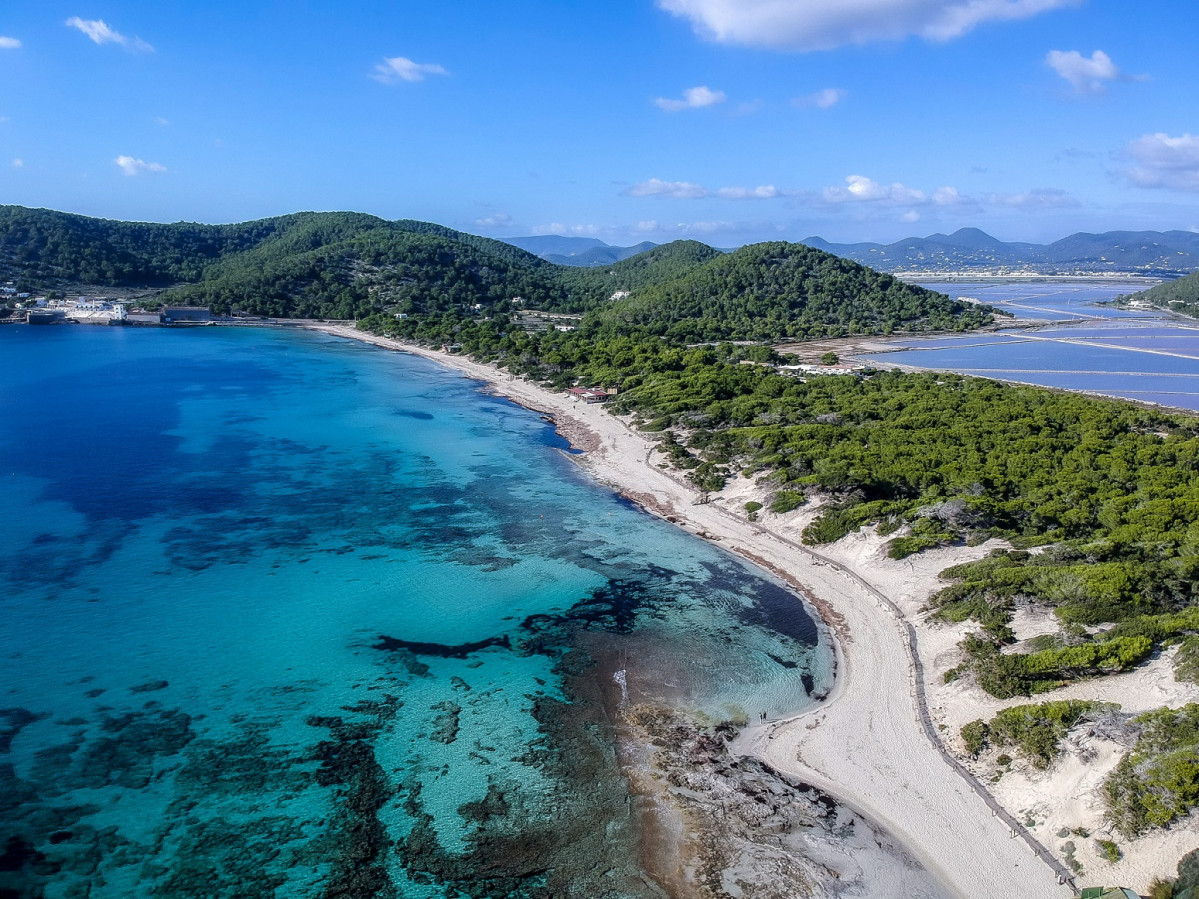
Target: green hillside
340 265
43 247
351 265
1180 296
768 291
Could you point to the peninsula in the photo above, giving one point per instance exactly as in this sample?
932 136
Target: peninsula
972 545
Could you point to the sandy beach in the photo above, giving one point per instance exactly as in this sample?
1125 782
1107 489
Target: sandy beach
873 743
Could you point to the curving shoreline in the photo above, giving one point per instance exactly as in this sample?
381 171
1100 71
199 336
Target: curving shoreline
870 744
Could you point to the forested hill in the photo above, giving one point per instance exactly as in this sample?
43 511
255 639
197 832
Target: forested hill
769 290
1176 296
351 265
327 264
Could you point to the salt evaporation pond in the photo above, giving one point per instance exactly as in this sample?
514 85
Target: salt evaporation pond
1082 345
285 615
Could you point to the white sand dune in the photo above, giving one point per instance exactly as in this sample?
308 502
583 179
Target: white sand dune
866 744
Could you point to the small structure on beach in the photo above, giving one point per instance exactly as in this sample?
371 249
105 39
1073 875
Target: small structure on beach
591 395
1109 893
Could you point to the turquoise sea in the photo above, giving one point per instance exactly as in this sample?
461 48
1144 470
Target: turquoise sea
287 615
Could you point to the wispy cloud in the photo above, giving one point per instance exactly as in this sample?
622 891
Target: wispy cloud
9 43
688 190
1036 198
1161 161
819 25
18 163
674 190
100 32
693 98
566 230
131 166
1086 76
400 68
495 220
861 192
765 192
822 99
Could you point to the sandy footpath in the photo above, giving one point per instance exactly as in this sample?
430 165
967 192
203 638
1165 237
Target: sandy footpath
865 744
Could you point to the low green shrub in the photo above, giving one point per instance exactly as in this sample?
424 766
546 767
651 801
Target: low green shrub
787 501
1108 850
1157 782
974 735
1037 730
1186 662
902 547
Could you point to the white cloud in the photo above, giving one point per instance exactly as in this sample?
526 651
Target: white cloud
765 192
131 166
1087 76
910 216
693 98
674 190
101 33
1163 161
495 220
700 227
1036 198
9 43
822 99
400 68
688 190
822 25
949 196
160 120
859 188
18 163
566 230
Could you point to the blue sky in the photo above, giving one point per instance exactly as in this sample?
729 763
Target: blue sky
728 121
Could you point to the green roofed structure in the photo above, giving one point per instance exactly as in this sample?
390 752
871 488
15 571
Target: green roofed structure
1109 893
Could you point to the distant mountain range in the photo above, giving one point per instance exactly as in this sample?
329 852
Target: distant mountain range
968 250
1156 252
581 251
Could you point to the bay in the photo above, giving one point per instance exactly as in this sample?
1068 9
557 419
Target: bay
287 615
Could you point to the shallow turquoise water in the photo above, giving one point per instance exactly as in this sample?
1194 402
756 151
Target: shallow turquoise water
289 615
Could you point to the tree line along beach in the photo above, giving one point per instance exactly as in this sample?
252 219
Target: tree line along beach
1005 717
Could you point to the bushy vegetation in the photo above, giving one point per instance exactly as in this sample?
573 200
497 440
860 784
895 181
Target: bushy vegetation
1005 675
974 735
1186 663
787 501
1108 850
1100 497
1181 295
1036 731
772 291
349 265
1158 781
1186 886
